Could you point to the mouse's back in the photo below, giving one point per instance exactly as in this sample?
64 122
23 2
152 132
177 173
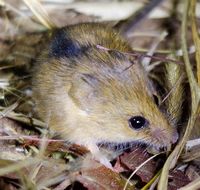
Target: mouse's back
90 92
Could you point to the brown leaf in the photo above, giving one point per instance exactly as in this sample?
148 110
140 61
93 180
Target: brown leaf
177 179
101 178
64 147
135 158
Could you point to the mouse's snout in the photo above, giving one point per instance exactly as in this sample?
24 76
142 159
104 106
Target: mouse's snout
175 137
164 137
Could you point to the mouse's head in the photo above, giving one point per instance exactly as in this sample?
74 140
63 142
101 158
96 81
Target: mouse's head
116 97
111 92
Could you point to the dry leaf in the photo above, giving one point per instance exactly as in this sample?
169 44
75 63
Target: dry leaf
101 178
177 179
136 157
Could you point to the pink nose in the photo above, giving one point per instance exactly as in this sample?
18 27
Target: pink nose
175 137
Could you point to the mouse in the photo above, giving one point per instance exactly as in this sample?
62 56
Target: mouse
87 90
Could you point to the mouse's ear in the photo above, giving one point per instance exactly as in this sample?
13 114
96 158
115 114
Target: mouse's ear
84 91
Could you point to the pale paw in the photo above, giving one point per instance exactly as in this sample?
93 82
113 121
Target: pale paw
99 156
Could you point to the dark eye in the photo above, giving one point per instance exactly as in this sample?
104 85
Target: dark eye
138 122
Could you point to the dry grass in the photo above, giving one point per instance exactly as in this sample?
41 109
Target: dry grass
29 159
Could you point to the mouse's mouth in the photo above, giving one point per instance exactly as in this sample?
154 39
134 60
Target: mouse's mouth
154 149
125 146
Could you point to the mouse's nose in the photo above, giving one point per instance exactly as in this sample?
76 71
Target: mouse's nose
165 138
174 137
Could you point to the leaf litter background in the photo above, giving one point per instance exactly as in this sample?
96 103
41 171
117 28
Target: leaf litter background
31 160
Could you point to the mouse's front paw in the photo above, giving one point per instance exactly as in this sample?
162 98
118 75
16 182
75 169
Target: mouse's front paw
105 161
99 156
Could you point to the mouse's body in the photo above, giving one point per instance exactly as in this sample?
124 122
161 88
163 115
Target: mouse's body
91 95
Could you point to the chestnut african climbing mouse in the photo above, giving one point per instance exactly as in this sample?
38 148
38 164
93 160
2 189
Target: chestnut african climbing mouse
91 95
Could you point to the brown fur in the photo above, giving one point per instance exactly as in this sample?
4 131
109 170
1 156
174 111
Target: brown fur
89 99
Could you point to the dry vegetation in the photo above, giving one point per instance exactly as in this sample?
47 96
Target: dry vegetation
170 38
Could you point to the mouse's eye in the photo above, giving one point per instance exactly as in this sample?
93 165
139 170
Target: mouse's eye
138 122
